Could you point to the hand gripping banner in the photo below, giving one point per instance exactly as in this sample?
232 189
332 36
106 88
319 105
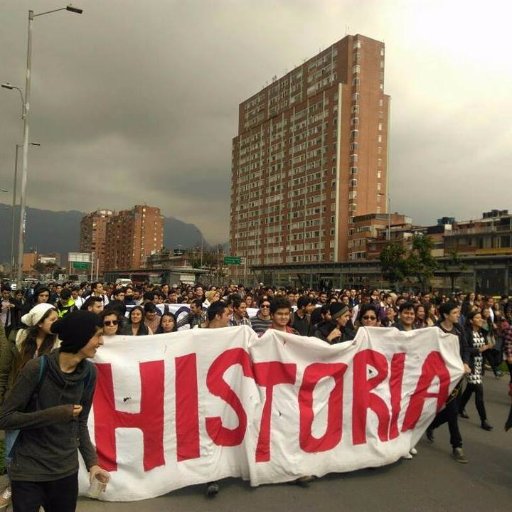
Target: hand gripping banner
190 407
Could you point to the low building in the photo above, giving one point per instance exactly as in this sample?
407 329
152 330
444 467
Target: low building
490 235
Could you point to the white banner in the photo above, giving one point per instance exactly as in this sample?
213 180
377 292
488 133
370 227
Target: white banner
190 407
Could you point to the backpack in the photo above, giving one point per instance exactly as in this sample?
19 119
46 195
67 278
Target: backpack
11 436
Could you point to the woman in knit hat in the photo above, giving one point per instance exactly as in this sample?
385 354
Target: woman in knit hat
50 404
32 342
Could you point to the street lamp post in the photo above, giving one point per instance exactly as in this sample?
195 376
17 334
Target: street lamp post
13 208
26 112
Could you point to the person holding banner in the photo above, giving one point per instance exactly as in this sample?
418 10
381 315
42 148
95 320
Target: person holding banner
368 316
217 316
50 404
449 313
280 311
406 317
337 329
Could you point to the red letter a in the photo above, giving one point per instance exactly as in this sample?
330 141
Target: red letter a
432 368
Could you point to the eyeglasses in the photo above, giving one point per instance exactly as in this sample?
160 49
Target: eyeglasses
265 306
369 318
110 322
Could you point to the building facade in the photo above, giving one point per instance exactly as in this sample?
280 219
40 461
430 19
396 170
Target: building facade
492 234
310 155
93 236
132 236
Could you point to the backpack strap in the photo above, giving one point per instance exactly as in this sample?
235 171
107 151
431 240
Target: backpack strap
43 367
12 436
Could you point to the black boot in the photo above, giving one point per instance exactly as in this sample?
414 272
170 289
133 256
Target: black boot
486 426
508 424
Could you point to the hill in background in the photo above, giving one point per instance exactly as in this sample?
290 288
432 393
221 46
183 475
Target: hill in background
49 231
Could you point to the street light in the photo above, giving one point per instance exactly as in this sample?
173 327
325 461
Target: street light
26 112
11 87
13 207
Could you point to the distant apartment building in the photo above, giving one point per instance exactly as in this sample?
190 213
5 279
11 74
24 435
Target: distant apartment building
93 233
310 155
132 236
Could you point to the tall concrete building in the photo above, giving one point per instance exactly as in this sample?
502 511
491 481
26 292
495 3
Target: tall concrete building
310 155
133 235
93 233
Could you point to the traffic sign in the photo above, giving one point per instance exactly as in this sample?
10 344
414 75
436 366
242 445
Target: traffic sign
232 260
83 265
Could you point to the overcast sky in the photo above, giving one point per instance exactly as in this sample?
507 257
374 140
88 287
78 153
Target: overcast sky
137 102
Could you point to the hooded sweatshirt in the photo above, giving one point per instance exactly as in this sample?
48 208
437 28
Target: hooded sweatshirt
46 448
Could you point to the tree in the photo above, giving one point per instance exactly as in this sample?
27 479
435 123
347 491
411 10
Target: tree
398 264
45 268
421 263
393 262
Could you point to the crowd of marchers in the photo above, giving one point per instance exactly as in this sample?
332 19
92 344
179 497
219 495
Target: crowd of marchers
36 321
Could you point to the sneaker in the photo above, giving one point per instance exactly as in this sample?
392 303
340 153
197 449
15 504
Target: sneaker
5 498
430 434
458 455
486 426
413 451
464 414
212 489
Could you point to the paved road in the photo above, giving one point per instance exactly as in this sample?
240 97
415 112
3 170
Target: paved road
432 481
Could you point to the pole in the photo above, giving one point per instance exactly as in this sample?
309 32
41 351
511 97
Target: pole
24 167
92 266
201 250
389 219
13 215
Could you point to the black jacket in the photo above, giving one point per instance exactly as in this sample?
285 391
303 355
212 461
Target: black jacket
47 447
323 329
465 350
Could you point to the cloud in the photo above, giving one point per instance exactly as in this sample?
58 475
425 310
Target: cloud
138 101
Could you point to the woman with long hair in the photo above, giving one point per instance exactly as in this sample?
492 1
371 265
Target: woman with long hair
476 339
420 315
432 315
167 323
135 325
32 342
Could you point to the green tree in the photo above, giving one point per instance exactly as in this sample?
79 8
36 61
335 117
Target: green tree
393 262
421 264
